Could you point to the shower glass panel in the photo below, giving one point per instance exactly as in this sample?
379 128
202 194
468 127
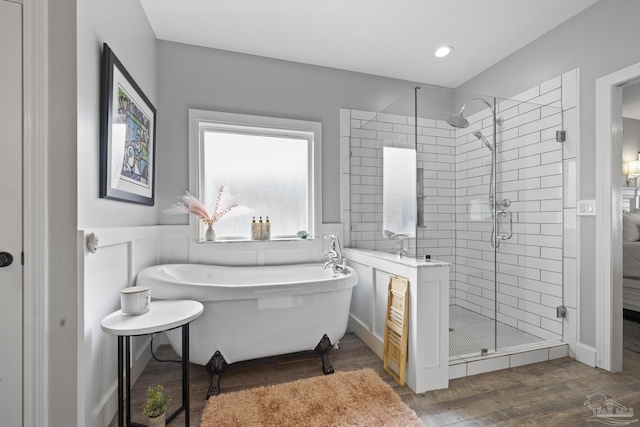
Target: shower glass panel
387 197
383 195
475 181
529 208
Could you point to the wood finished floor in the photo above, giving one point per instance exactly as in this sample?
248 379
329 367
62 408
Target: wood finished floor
544 394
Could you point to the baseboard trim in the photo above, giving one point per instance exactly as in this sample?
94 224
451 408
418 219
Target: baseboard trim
586 354
372 341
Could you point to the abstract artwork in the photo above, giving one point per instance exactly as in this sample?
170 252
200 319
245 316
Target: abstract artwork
127 136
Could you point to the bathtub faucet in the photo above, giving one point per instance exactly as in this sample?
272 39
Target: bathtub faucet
339 265
334 255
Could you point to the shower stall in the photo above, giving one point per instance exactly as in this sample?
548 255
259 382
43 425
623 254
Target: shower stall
475 181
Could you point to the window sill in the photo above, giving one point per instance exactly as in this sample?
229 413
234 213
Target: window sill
282 239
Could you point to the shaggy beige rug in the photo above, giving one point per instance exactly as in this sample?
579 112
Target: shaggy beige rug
357 398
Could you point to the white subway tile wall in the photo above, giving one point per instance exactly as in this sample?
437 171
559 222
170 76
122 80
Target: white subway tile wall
528 267
435 155
534 171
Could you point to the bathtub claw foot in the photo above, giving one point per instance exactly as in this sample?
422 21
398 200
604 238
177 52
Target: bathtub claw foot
322 349
215 366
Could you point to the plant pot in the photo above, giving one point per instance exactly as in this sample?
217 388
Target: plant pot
159 421
210 234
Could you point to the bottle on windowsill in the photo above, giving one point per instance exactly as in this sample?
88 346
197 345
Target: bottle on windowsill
255 231
266 230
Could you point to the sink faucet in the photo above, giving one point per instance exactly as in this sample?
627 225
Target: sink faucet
401 250
334 255
401 238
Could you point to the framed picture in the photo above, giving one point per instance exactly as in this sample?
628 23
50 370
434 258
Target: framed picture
127 136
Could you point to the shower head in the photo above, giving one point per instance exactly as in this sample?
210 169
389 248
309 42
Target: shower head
480 136
457 121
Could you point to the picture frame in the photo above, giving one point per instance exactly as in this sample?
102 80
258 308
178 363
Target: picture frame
127 136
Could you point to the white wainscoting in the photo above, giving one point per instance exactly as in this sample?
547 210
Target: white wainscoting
122 253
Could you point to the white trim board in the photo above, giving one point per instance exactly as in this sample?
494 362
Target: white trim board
608 221
35 339
369 338
586 355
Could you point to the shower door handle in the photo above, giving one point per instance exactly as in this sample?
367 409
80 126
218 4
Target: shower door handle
507 213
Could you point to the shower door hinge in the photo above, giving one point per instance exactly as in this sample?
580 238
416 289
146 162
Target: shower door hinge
561 311
561 135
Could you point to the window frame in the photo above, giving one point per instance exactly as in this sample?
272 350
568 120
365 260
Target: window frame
201 121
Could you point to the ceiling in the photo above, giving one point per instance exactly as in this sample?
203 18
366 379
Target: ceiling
391 38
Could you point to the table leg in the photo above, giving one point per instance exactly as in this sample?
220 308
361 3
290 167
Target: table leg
120 383
185 378
185 372
127 369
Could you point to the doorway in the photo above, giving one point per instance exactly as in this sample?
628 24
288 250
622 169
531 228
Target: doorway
631 216
609 219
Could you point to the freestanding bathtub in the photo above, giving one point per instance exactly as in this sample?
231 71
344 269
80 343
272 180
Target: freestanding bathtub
258 311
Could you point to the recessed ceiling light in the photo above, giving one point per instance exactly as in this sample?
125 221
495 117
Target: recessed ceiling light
443 51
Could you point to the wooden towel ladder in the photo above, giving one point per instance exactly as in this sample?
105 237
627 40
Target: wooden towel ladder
396 327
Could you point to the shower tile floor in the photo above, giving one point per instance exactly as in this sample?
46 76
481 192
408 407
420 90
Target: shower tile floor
473 332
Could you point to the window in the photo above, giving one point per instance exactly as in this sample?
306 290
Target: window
271 165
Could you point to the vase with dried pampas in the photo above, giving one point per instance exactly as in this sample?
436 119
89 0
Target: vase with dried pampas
191 204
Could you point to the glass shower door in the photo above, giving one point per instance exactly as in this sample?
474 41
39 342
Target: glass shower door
529 190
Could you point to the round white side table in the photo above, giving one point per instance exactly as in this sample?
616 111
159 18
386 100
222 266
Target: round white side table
162 316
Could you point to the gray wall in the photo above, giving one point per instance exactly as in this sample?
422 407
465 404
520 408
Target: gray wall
123 25
630 139
600 40
196 77
630 144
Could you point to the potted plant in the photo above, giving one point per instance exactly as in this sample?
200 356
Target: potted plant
155 407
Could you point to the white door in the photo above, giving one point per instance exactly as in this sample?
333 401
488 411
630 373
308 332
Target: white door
10 213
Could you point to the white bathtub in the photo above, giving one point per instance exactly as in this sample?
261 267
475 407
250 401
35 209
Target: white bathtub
253 312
